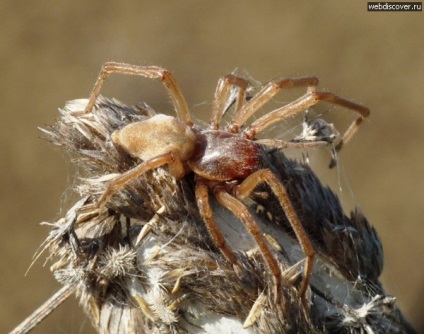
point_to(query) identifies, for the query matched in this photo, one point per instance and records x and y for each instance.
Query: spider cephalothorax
(225, 160)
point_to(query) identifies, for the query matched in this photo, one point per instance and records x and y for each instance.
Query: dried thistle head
(146, 263)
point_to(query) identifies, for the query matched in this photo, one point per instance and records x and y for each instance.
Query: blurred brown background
(51, 52)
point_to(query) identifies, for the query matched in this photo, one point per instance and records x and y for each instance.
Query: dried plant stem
(44, 310)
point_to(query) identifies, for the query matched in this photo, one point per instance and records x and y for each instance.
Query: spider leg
(202, 198)
(122, 180)
(266, 176)
(151, 72)
(304, 102)
(221, 96)
(290, 144)
(265, 95)
(242, 213)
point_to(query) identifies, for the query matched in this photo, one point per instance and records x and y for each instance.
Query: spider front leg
(241, 212)
(281, 144)
(306, 101)
(221, 97)
(202, 198)
(266, 176)
(151, 72)
(265, 95)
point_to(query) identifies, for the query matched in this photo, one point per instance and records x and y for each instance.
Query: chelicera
(227, 161)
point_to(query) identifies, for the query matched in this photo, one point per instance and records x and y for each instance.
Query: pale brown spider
(227, 161)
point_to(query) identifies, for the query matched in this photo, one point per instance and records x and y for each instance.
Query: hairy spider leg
(221, 96)
(288, 144)
(151, 72)
(265, 95)
(266, 176)
(202, 198)
(304, 102)
(242, 213)
(123, 179)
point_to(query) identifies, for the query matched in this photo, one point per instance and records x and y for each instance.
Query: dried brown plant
(145, 263)
(136, 250)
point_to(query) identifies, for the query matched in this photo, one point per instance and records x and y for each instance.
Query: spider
(227, 161)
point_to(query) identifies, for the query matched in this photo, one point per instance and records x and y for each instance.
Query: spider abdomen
(223, 156)
(155, 136)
